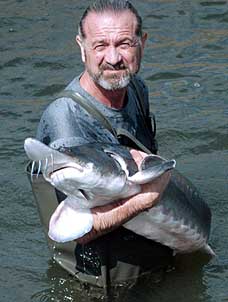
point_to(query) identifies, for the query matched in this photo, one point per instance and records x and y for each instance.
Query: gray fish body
(97, 174)
(182, 219)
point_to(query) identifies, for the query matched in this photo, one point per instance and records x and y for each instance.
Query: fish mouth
(51, 173)
(49, 168)
(76, 167)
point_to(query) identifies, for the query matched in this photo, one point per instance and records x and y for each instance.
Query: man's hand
(109, 217)
(151, 192)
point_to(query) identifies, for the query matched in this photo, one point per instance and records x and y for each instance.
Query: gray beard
(114, 84)
(117, 84)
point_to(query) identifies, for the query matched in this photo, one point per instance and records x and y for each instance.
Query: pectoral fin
(69, 222)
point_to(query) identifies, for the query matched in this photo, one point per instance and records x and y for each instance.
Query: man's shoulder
(61, 104)
(140, 90)
(74, 84)
(58, 106)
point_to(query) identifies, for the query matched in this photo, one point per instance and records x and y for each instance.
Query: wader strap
(124, 132)
(91, 109)
(139, 96)
(140, 103)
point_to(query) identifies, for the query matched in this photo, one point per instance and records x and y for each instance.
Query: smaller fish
(97, 174)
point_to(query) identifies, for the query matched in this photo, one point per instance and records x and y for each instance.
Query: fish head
(76, 168)
(52, 162)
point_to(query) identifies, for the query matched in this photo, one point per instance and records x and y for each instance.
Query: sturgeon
(97, 174)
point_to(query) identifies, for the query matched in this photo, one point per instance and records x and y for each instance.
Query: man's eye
(99, 47)
(125, 45)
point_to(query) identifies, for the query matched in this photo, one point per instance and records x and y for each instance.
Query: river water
(186, 68)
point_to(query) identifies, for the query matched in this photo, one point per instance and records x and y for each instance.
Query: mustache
(117, 66)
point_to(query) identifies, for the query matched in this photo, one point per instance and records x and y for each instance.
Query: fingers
(138, 156)
(152, 192)
(159, 184)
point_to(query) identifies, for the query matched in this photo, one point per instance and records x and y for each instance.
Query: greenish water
(186, 69)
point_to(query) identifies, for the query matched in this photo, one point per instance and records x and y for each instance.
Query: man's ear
(80, 43)
(143, 40)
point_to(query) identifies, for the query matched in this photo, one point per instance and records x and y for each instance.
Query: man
(111, 43)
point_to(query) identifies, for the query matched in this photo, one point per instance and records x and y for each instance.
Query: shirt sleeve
(65, 123)
(60, 125)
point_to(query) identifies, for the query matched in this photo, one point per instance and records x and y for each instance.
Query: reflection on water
(63, 287)
(186, 69)
(188, 275)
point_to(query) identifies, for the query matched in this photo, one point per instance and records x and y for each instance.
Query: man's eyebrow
(130, 39)
(99, 41)
(118, 40)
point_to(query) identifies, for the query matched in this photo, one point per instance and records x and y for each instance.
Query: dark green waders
(118, 258)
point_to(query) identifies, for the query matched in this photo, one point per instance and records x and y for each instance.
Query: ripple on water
(186, 69)
(49, 90)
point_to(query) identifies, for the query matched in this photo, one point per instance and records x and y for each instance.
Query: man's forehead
(108, 18)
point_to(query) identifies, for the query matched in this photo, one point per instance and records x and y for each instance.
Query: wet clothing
(121, 255)
(66, 123)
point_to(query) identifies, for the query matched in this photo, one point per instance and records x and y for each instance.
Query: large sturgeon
(96, 174)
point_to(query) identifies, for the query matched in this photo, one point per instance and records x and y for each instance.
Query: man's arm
(109, 217)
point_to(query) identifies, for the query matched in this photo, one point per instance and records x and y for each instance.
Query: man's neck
(110, 98)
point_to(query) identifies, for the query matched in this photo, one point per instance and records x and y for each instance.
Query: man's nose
(113, 56)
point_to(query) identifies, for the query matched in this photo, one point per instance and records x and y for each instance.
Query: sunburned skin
(112, 53)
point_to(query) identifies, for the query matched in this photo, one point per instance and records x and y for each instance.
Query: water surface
(186, 69)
